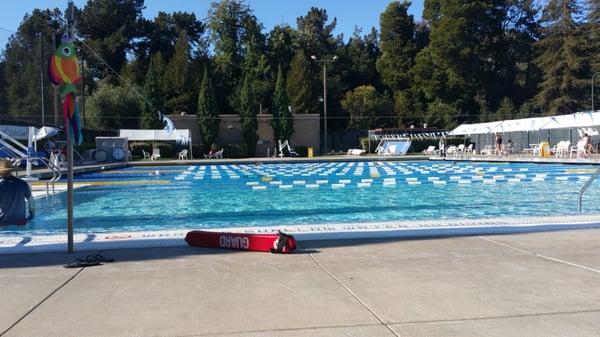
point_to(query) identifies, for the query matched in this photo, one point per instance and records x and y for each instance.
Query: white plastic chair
(218, 154)
(183, 155)
(146, 154)
(155, 154)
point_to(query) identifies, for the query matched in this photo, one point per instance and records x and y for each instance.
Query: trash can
(310, 152)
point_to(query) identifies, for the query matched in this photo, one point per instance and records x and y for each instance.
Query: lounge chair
(183, 154)
(155, 154)
(145, 154)
(218, 154)
(356, 152)
(429, 151)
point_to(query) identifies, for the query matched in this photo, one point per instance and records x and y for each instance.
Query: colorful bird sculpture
(63, 71)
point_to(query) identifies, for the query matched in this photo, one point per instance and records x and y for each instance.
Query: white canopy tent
(576, 120)
(180, 136)
(526, 132)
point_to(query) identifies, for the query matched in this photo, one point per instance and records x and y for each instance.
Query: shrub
(137, 147)
(235, 151)
(166, 150)
(364, 143)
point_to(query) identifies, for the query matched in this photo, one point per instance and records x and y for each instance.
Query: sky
(349, 13)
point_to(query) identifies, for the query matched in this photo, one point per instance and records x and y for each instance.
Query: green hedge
(166, 150)
(234, 150)
(137, 147)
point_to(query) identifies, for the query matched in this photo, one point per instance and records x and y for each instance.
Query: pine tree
(299, 85)
(563, 60)
(208, 111)
(153, 94)
(248, 118)
(397, 45)
(176, 78)
(283, 121)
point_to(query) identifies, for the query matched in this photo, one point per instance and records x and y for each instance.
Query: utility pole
(324, 62)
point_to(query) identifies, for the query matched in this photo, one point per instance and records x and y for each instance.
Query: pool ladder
(585, 187)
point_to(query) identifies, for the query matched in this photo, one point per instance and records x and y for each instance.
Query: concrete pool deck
(537, 284)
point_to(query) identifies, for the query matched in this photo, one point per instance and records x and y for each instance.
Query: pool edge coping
(372, 230)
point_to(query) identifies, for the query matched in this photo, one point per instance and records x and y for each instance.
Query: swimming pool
(221, 196)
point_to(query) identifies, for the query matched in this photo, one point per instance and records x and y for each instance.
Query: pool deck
(537, 284)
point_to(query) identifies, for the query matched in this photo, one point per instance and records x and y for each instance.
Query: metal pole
(42, 77)
(325, 101)
(69, 188)
(70, 18)
(56, 117)
(594, 75)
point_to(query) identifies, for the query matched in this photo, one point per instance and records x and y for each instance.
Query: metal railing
(585, 187)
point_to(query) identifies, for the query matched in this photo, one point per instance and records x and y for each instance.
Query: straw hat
(6, 167)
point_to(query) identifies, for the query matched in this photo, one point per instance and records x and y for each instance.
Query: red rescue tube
(275, 243)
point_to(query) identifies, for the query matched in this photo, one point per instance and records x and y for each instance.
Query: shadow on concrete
(44, 259)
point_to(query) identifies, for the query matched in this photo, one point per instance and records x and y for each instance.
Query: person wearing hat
(15, 197)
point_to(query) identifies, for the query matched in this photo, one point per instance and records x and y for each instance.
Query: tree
(365, 105)
(248, 120)
(283, 120)
(397, 45)
(25, 61)
(506, 110)
(208, 111)
(315, 35)
(281, 46)
(153, 94)
(109, 27)
(299, 86)
(457, 70)
(177, 88)
(111, 108)
(566, 72)
(227, 23)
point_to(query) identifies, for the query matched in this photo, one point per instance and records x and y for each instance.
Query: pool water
(220, 196)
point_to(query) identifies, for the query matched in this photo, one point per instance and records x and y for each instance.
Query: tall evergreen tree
(153, 93)
(208, 111)
(283, 121)
(457, 69)
(248, 115)
(299, 86)
(177, 89)
(281, 46)
(563, 59)
(315, 35)
(227, 20)
(397, 45)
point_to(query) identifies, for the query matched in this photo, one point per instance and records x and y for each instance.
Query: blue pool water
(216, 196)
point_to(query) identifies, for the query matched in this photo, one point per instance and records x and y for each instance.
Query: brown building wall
(306, 131)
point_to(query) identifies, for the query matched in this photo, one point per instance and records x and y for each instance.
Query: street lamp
(324, 62)
(597, 73)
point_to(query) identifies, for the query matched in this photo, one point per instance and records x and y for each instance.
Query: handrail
(585, 186)
(16, 142)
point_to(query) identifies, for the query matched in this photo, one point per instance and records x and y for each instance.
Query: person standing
(498, 143)
(15, 197)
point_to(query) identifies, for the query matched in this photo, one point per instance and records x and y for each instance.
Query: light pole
(324, 62)
(594, 75)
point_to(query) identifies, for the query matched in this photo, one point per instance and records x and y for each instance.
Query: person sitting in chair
(15, 197)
